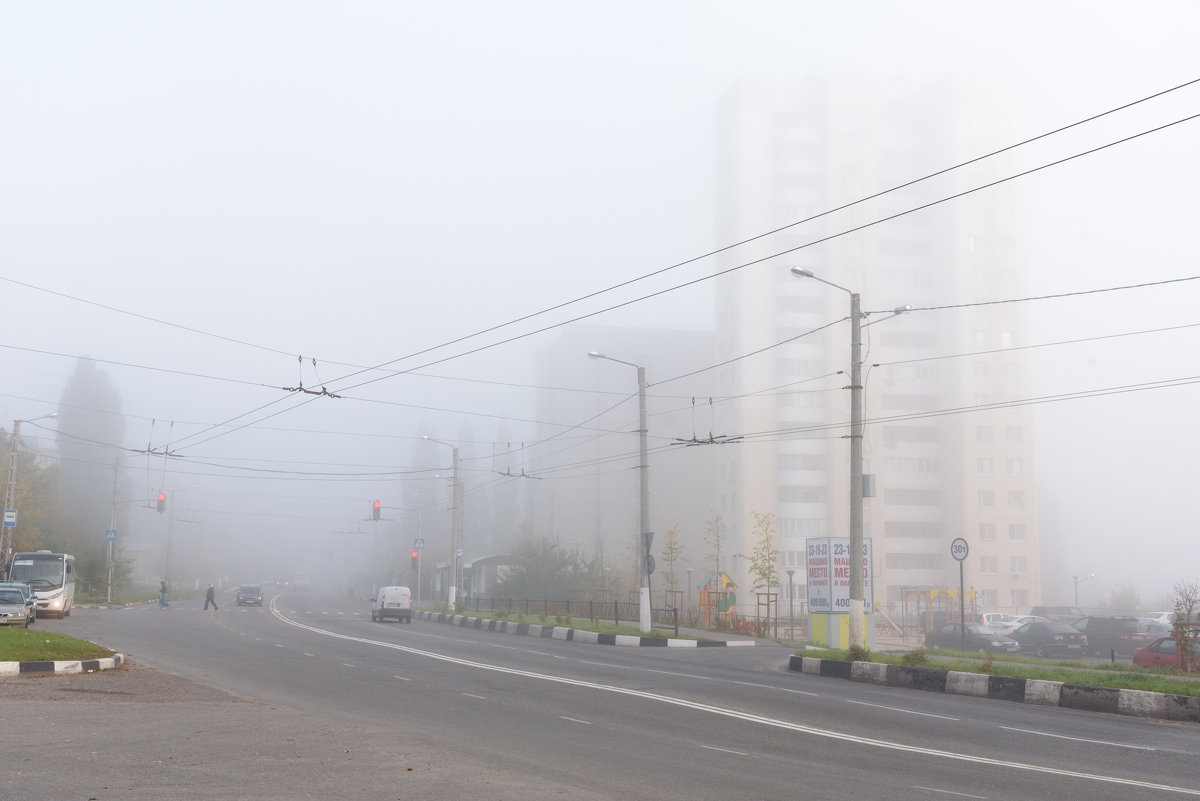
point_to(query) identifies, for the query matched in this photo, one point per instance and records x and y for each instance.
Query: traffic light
(416, 557)
(375, 510)
(162, 502)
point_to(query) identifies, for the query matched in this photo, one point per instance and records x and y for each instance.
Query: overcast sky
(360, 182)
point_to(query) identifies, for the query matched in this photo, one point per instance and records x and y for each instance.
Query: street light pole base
(644, 610)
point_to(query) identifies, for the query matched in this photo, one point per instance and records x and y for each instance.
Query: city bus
(51, 576)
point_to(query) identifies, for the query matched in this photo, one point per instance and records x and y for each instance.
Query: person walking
(162, 596)
(210, 597)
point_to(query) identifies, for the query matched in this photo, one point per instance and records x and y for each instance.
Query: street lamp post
(644, 500)
(455, 530)
(856, 437)
(1079, 580)
(791, 571)
(10, 493)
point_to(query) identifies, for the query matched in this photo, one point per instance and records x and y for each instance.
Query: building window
(912, 528)
(801, 461)
(987, 499)
(1015, 467)
(1007, 339)
(912, 497)
(987, 565)
(1012, 434)
(912, 561)
(801, 494)
(1016, 532)
(983, 369)
(987, 532)
(1020, 599)
(1017, 565)
(801, 527)
(983, 466)
(1012, 371)
(983, 435)
(981, 339)
(1016, 499)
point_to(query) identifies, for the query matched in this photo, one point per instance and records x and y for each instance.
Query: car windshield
(11, 597)
(976, 629)
(1061, 628)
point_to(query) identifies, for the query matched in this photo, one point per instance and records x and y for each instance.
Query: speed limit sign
(958, 548)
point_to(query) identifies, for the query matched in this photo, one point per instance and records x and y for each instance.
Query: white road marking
(471, 695)
(306, 653)
(347, 664)
(543, 653)
(1080, 739)
(278, 645)
(947, 792)
(724, 750)
(402, 678)
(747, 717)
(576, 720)
(905, 711)
(505, 647)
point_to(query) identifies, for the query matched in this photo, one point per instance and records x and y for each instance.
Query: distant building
(949, 456)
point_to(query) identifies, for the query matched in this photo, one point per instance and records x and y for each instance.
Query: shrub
(859, 653)
(917, 657)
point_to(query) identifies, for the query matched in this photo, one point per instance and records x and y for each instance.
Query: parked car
(1050, 638)
(1157, 618)
(1122, 635)
(392, 602)
(1163, 652)
(994, 620)
(249, 594)
(1156, 630)
(977, 637)
(27, 591)
(1065, 614)
(14, 610)
(1009, 626)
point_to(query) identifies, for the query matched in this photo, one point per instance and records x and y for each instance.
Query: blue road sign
(110, 535)
(10, 517)
(419, 543)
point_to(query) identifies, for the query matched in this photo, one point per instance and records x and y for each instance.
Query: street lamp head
(902, 309)
(595, 354)
(800, 272)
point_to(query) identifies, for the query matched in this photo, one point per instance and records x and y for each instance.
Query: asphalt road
(307, 697)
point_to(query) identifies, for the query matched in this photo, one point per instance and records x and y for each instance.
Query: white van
(392, 602)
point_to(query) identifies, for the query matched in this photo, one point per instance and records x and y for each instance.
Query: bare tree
(672, 552)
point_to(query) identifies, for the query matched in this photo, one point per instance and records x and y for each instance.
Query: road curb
(570, 634)
(61, 667)
(1138, 703)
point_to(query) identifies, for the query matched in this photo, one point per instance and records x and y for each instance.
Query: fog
(420, 214)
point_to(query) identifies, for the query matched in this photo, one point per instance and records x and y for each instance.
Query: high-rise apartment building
(950, 451)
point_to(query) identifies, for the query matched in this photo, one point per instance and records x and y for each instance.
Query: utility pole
(112, 526)
(857, 638)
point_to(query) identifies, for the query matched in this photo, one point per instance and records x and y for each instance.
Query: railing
(666, 619)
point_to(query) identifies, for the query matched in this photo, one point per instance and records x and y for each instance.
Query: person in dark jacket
(162, 596)
(210, 597)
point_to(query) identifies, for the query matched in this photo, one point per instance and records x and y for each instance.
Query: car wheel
(1040, 650)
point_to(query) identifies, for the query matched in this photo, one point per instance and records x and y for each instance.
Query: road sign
(10, 517)
(647, 538)
(110, 535)
(419, 543)
(959, 549)
(458, 552)
(648, 564)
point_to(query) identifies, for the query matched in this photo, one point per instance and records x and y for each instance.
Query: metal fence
(666, 619)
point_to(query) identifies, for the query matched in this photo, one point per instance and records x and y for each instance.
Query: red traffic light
(415, 559)
(375, 510)
(162, 502)
(415, 554)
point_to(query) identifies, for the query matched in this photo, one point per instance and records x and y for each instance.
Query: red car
(1162, 653)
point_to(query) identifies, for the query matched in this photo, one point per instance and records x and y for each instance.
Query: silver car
(27, 591)
(14, 610)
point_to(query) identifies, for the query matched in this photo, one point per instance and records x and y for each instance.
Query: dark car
(1105, 635)
(1063, 614)
(249, 594)
(975, 638)
(1050, 639)
(1163, 652)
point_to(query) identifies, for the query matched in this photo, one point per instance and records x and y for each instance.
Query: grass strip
(32, 645)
